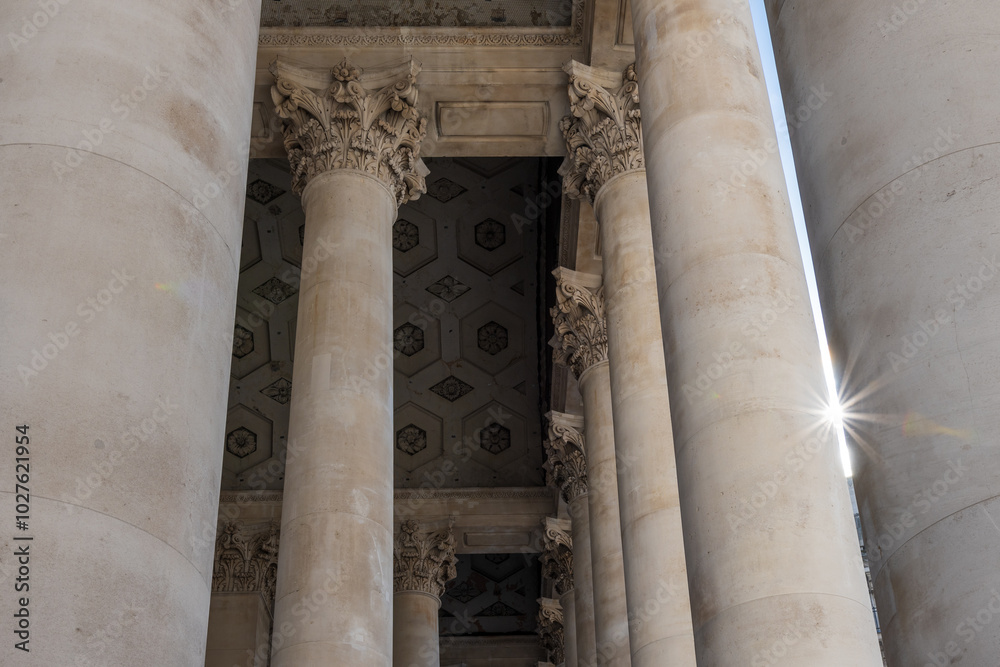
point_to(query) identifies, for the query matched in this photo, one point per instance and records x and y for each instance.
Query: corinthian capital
(566, 462)
(604, 135)
(246, 559)
(581, 339)
(353, 120)
(557, 554)
(550, 629)
(424, 560)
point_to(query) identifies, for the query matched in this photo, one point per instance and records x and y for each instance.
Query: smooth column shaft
(610, 612)
(651, 533)
(123, 163)
(773, 563)
(568, 602)
(336, 520)
(583, 583)
(898, 153)
(415, 641)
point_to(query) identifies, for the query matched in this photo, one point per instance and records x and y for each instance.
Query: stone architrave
(423, 564)
(557, 566)
(745, 400)
(550, 629)
(582, 343)
(605, 166)
(353, 139)
(566, 470)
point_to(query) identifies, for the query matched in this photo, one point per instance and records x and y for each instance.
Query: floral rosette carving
(347, 126)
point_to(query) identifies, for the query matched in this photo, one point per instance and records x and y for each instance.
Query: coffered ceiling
(467, 267)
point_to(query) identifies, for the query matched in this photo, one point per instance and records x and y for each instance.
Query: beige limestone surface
(895, 141)
(123, 145)
(772, 554)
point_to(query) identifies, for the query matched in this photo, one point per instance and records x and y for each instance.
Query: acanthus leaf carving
(604, 133)
(550, 629)
(557, 554)
(580, 323)
(246, 560)
(565, 458)
(423, 560)
(347, 126)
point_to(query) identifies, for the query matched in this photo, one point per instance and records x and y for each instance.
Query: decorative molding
(604, 135)
(247, 497)
(565, 460)
(423, 560)
(365, 121)
(510, 493)
(550, 629)
(432, 37)
(246, 559)
(581, 339)
(557, 554)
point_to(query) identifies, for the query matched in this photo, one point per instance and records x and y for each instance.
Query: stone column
(896, 142)
(424, 563)
(605, 166)
(774, 567)
(550, 629)
(566, 465)
(581, 332)
(124, 137)
(557, 565)
(353, 142)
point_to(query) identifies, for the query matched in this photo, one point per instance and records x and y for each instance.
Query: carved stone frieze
(365, 121)
(604, 135)
(566, 462)
(246, 559)
(550, 629)
(557, 554)
(424, 560)
(581, 339)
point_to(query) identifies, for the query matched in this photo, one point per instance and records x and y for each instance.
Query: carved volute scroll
(604, 134)
(581, 339)
(423, 560)
(246, 559)
(566, 462)
(557, 554)
(360, 120)
(550, 629)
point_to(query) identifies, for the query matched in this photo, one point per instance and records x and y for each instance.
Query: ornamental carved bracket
(557, 554)
(550, 629)
(581, 339)
(565, 460)
(246, 559)
(424, 560)
(604, 134)
(366, 121)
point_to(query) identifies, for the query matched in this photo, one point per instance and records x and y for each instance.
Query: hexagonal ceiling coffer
(490, 234)
(495, 438)
(492, 338)
(241, 442)
(405, 235)
(408, 339)
(411, 439)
